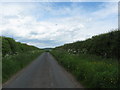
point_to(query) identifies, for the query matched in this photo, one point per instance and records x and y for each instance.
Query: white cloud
(40, 45)
(109, 9)
(10, 10)
(20, 21)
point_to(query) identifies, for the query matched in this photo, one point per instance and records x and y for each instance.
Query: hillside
(10, 46)
(106, 45)
(16, 56)
(94, 62)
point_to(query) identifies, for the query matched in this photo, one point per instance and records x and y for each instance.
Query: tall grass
(92, 71)
(13, 63)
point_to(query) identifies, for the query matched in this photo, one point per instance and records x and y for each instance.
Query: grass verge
(13, 63)
(92, 71)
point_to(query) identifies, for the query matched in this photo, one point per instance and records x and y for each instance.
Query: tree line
(10, 46)
(106, 45)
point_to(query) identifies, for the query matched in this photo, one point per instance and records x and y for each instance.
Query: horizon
(64, 43)
(52, 24)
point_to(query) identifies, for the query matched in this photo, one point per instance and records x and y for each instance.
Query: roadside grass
(90, 70)
(13, 63)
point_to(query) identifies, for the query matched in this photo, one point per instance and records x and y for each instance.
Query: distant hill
(48, 49)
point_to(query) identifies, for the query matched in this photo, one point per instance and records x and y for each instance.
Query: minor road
(44, 72)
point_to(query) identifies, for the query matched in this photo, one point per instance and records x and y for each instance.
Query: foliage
(95, 61)
(13, 63)
(10, 47)
(92, 71)
(106, 45)
(13, 58)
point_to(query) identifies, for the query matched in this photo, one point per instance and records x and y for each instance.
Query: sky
(51, 24)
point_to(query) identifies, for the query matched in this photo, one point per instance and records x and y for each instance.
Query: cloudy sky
(50, 24)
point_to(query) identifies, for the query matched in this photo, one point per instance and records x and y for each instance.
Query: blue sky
(50, 24)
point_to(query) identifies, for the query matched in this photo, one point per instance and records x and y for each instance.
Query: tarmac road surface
(44, 72)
